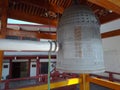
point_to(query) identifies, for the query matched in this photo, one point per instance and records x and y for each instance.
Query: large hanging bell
(80, 41)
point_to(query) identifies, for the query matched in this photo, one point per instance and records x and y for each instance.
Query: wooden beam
(116, 2)
(47, 36)
(106, 4)
(108, 18)
(67, 82)
(30, 34)
(11, 57)
(111, 33)
(43, 4)
(105, 83)
(21, 33)
(14, 14)
(43, 35)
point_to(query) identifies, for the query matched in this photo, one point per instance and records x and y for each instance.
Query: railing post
(29, 63)
(110, 76)
(85, 85)
(7, 85)
(37, 69)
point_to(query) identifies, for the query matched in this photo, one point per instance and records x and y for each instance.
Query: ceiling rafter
(26, 11)
(56, 8)
(14, 14)
(38, 3)
(107, 4)
(69, 3)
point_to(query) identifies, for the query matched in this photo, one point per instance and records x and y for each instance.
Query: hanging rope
(49, 53)
(49, 61)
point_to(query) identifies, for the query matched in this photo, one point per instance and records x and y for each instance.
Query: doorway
(19, 69)
(44, 68)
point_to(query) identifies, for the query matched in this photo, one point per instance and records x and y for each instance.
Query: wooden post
(3, 29)
(85, 84)
(111, 76)
(1, 58)
(4, 17)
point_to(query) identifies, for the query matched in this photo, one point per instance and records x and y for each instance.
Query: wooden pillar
(1, 63)
(85, 85)
(3, 29)
(1, 60)
(4, 17)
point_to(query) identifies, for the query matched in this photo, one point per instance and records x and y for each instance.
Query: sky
(13, 21)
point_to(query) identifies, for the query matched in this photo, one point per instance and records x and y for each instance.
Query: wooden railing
(110, 76)
(7, 84)
(42, 79)
(35, 80)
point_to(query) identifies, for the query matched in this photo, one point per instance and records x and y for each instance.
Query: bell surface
(80, 44)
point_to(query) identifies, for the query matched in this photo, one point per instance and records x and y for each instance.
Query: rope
(49, 61)
(49, 53)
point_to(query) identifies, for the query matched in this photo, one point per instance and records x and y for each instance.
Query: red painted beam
(28, 57)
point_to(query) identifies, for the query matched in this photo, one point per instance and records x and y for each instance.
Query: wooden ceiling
(49, 11)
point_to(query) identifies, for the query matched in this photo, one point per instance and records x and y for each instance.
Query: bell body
(80, 44)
